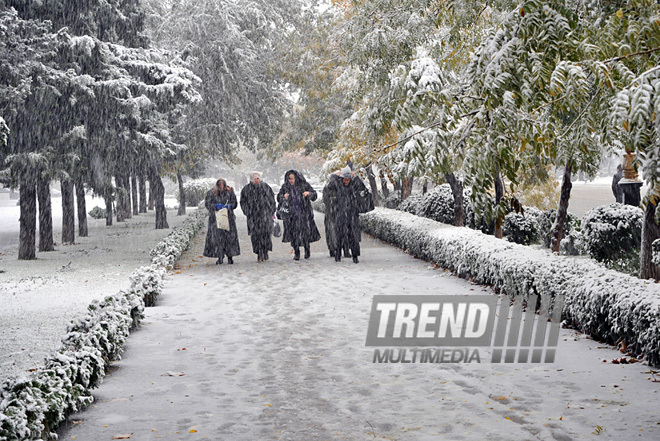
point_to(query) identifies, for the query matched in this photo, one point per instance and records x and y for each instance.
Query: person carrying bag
(221, 235)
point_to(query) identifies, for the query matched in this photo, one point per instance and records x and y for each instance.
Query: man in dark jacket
(616, 189)
(258, 204)
(345, 210)
(299, 226)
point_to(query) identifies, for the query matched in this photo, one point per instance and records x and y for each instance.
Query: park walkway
(276, 351)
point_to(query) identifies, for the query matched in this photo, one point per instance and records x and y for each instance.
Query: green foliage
(521, 229)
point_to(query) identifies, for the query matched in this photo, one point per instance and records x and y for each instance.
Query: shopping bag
(222, 219)
(365, 201)
(277, 230)
(283, 210)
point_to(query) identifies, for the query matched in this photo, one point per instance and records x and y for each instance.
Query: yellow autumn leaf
(193, 431)
(626, 126)
(619, 14)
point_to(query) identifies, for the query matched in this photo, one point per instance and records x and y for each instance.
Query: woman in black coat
(258, 204)
(299, 226)
(345, 210)
(220, 243)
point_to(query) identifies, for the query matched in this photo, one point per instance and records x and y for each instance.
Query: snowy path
(275, 351)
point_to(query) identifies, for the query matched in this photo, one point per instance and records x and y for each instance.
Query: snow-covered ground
(39, 297)
(276, 350)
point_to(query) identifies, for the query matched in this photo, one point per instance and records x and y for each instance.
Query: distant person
(220, 242)
(258, 204)
(299, 226)
(616, 188)
(346, 209)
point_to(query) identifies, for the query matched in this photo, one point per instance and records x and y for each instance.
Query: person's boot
(230, 260)
(308, 252)
(219, 261)
(265, 255)
(355, 259)
(347, 252)
(332, 253)
(338, 255)
(260, 257)
(296, 254)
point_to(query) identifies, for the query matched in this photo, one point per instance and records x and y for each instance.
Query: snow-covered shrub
(613, 234)
(195, 190)
(31, 408)
(601, 302)
(147, 282)
(655, 250)
(572, 242)
(412, 204)
(522, 229)
(97, 213)
(393, 200)
(438, 204)
(168, 251)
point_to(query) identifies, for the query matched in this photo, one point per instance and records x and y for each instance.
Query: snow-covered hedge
(195, 190)
(32, 407)
(603, 303)
(613, 235)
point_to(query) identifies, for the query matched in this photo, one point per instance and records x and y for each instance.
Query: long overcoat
(258, 205)
(330, 202)
(299, 226)
(345, 214)
(219, 242)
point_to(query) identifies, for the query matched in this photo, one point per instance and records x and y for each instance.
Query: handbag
(283, 210)
(222, 219)
(277, 230)
(365, 201)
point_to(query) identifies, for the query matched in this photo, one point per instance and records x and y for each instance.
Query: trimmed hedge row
(608, 305)
(32, 407)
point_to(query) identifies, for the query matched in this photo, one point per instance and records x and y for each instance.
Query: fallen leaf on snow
(122, 436)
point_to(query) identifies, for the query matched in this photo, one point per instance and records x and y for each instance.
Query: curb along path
(276, 351)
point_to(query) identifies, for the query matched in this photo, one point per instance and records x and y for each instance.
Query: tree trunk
(383, 186)
(457, 191)
(372, 183)
(108, 207)
(28, 221)
(650, 232)
(46, 242)
(182, 195)
(557, 230)
(68, 214)
(143, 192)
(128, 214)
(119, 202)
(151, 202)
(81, 205)
(499, 194)
(406, 188)
(134, 195)
(158, 191)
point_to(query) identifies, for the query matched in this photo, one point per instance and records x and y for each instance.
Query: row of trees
(493, 95)
(110, 94)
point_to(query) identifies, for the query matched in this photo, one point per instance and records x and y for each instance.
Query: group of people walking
(344, 197)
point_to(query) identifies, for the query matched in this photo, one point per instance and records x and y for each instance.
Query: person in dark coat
(347, 233)
(220, 243)
(299, 226)
(258, 204)
(616, 189)
(329, 201)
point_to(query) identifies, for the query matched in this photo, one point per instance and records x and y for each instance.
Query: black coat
(330, 202)
(343, 209)
(299, 226)
(258, 204)
(221, 242)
